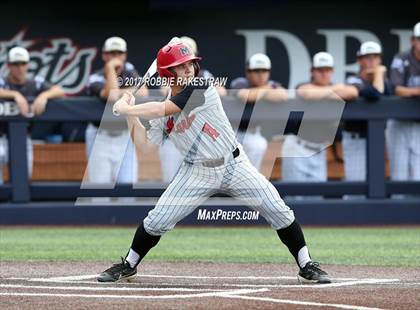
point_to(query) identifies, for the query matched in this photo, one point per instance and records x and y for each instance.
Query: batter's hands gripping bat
(149, 73)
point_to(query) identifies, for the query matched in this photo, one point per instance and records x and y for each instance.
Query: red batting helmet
(174, 54)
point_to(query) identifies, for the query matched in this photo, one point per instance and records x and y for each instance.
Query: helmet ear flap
(196, 68)
(172, 72)
(168, 73)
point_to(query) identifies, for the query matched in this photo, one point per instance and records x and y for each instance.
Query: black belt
(235, 153)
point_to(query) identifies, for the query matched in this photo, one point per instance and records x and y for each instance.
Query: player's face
(370, 61)
(259, 77)
(18, 70)
(415, 43)
(322, 76)
(185, 70)
(107, 56)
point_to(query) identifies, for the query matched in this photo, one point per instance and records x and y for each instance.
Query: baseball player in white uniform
(403, 137)
(170, 158)
(371, 84)
(304, 158)
(110, 140)
(213, 162)
(252, 88)
(30, 94)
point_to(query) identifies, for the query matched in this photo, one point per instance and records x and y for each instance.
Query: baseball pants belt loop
(216, 162)
(356, 135)
(111, 133)
(310, 146)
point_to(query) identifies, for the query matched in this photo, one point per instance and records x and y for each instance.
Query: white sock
(303, 256)
(132, 258)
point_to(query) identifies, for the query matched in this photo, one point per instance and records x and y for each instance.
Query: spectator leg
(128, 167)
(397, 134)
(255, 146)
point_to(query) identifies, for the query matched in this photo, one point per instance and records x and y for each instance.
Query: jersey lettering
(169, 125)
(184, 124)
(210, 131)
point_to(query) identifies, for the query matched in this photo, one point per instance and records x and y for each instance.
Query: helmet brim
(180, 61)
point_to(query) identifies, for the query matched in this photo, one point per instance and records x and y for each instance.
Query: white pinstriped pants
(403, 146)
(171, 159)
(354, 152)
(194, 184)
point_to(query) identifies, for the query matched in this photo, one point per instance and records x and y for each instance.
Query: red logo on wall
(59, 60)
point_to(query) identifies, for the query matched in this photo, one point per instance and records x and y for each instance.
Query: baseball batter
(194, 120)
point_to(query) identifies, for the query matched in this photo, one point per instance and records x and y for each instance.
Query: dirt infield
(205, 286)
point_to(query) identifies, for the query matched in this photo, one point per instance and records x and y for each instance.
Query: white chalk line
(226, 294)
(175, 296)
(86, 277)
(317, 286)
(323, 286)
(404, 283)
(238, 294)
(73, 280)
(302, 303)
(97, 288)
(70, 278)
(302, 286)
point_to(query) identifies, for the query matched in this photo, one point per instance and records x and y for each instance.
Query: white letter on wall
(336, 46)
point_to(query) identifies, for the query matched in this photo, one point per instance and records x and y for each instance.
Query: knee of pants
(156, 228)
(285, 221)
(277, 213)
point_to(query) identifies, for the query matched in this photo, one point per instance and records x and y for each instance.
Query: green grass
(399, 246)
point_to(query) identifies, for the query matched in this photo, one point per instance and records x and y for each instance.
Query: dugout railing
(376, 187)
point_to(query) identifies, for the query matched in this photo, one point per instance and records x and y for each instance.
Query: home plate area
(219, 286)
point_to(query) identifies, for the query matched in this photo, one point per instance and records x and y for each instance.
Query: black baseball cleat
(311, 273)
(118, 272)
